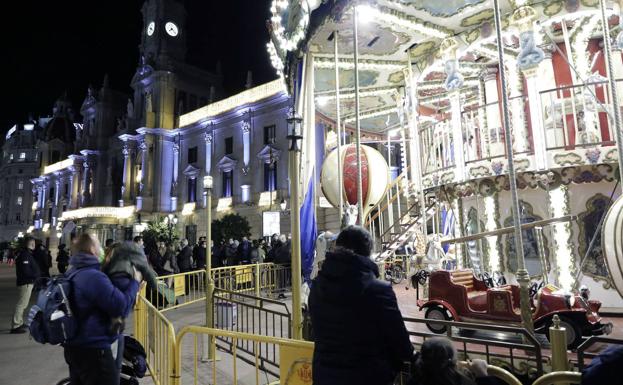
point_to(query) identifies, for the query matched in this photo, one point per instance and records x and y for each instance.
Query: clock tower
(164, 34)
(165, 87)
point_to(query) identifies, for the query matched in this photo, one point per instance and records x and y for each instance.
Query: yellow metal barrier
(503, 375)
(262, 279)
(559, 377)
(244, 356)
(157, 336)
(177, 290)
(294, 358)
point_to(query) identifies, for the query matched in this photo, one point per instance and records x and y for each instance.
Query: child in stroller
(133, 365)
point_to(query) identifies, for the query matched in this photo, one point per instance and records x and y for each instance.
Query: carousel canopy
(393, 33)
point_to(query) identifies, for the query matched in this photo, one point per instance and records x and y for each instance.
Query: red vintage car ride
(459, 295)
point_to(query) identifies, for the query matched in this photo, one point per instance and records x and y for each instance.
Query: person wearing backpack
(27, 272)
(95, 302)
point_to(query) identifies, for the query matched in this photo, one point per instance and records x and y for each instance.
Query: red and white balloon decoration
(374, 177)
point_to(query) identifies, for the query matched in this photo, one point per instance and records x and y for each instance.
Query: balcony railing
(577, 116)
(436, 146)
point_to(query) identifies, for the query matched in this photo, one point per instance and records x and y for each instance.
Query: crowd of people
(180, 256)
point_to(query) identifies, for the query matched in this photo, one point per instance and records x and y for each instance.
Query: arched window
(530, 246)
(589, 222)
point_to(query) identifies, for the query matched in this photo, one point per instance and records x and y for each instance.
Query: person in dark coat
(216, 255)
(184, 260)
(27, 272)
(359, 334)
(244, 251)
(41, 256)
(283, 251)
(436, 364)
(96, 302)
(231, 253)
(62, 259)
(604, 368)
(200, 256)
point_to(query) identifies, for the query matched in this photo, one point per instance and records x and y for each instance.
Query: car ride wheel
(397, 275)
(437, 313)
(572, 331)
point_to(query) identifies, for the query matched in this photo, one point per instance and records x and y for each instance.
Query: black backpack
(51, 319)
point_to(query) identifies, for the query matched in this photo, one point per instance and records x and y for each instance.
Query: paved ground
(25, 362)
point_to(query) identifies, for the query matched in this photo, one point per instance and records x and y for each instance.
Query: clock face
(151, 28)
(171, 28)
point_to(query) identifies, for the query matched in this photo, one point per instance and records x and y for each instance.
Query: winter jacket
(41, 256)
(231, 255)
(357, 327)
(184, 262)
(62, 258)
(282, 253)
(26, 268)
(96, 301)
(604, 368)
(200, 257)
(244, 251)
(126, 257)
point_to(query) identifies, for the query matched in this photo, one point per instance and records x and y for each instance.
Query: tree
(159, 230)
(230, 226)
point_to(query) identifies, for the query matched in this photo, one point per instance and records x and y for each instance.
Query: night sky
(53, 46)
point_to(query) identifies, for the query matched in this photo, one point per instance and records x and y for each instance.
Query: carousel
(477, 140)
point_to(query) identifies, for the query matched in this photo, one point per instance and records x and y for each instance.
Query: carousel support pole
(338, 119)
(390, 208)
(416, 147)
(357, 120)
(523, 278)
(612, 83)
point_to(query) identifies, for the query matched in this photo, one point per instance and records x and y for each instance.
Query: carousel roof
(389, 31)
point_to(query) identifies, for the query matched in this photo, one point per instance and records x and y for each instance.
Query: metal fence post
(258, 281)
(558, 340)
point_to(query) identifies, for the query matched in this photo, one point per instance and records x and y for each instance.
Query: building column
(457, 134)
(127, 175)
(143, 185)
(175, 175)
(528, 61)
(208, 149)
(453, 84)
(246, 143)
(536, 118)
(494, 145)
(86, 183)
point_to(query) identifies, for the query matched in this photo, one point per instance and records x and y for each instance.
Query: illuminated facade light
(490, 225)
(559, 206)
(99, 212)
(247, 97)
(224, 204)
(63, 164)
(188, 208)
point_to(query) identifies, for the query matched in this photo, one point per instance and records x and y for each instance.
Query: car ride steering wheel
(534, 288)
(486, 278)
(421, 276)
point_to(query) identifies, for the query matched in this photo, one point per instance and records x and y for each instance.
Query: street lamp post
(209, 282)
(171, 221)
(295, 137)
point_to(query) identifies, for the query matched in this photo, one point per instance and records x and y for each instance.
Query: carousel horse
(434, 253)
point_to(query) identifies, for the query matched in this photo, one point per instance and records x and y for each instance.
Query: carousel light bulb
(366, 13)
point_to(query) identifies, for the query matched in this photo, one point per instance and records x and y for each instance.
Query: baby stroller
(134, 363)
